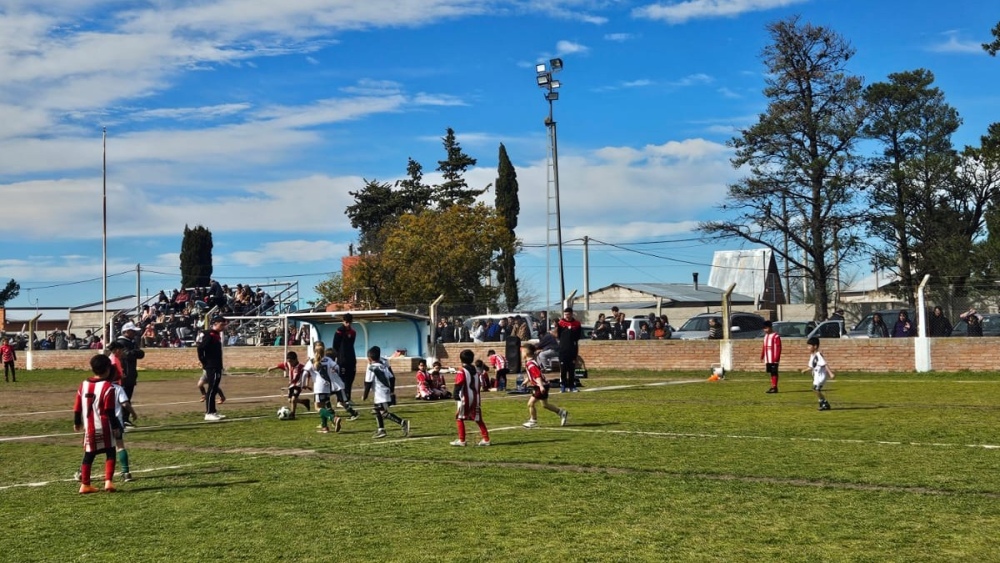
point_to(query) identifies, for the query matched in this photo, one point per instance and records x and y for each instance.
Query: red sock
(461, 430)
(85, 474)
(483, 430)
(774, 381)
(109, 469)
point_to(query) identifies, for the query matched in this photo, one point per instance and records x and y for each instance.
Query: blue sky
(255, 119)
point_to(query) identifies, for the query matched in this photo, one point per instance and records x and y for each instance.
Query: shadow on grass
(157, 488)
(861, 408)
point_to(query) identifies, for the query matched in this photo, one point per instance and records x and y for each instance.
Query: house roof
(680, 293)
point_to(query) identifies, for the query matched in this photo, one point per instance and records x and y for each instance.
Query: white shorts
(818, 382)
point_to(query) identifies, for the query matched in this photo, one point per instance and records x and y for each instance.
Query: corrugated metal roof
(672, 293)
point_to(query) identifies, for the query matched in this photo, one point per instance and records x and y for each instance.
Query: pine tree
(196, 257)
(454, 190)
(508, 206)
(9, 292)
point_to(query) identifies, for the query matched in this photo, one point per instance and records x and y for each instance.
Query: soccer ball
(284, 413)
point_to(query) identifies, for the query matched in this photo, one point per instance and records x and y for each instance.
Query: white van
(526, 317)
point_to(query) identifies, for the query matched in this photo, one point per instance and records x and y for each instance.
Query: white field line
(150, 470)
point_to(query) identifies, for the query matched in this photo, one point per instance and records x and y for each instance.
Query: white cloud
(424, 99)
(619, 37)
(564, 47)
(300, 251)
(955, 45)
(194, 113)
(727, 93)
(681, 12)
(637, 83)
(692, 80)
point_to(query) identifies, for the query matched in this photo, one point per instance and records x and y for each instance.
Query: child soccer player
(293, 370)
(770, 354)
(467, 394)
(9, 356)
(423, 383)
(379, 376)
(325, 416)
(340, 392)
(327, 377)
(94, 414)
(203, 388)
(483, 373)
(540, 388)
(438, 385)
(499, 363)
(821, 371)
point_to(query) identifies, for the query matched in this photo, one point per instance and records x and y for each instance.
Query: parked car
(793, 329)
(889, 316)
(991, 326)
(741, 325)
(835, 329)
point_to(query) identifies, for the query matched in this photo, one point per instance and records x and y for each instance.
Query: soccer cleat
(128, 424)
(380, 433)
(212, 417)
(459, 443)
(562, 389)
(530, 424)
(563, 416)
(483, 443)
(354, 417)
(772, 390)
(574, 390)
(406, 427)
(323, 430)
(126, 477)
(109, 487)
(77, 476)
(87, 489)
(336, 423)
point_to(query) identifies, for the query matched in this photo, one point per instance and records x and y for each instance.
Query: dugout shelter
(389, 329)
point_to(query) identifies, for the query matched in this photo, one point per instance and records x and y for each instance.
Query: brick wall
(872, 355)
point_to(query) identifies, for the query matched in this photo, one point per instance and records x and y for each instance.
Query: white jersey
(379, 374)
(325, 376)
(120, 397)
(820, 372)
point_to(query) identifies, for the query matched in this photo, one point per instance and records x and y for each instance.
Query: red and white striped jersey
(423, 388)
(535, 376)
(498, 362)
(770, 353)
(95, 406)
(293, 373)
(467, 385)
(116, 369)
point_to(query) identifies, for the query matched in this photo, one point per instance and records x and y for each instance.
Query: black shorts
(541, 393)
(294, 392)
(771, 369)
(322, 399)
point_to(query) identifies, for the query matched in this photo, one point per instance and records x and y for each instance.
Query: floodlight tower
(543, 77)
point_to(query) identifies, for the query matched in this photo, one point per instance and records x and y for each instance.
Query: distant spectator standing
(904, 328)
(521, 329)
(568, 331)
(974, 321)
(9, 356)
(939, 324)
(878, 328)
(130, 359)
(478, 332)
(343, 344)
(837, 315)
(714, 330)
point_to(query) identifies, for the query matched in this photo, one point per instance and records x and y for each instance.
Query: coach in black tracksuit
(210, 356)
(130, 359)
(343, 343)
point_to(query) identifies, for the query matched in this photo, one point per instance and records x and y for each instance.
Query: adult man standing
(210, 356)
(130, 358)
(343, 343)
(568, 331)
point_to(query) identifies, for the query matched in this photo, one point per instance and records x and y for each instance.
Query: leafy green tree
(993, 46)
(800, 157)
(912, 181)
(436, 252)
(196, 257)
(507, 206)
(976, 200)
(454, 190)
(9, 292)
(330, 290)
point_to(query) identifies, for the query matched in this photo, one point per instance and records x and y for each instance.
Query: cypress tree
(508, 206)
(196, 257)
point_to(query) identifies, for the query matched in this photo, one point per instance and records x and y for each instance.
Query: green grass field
(904, 468)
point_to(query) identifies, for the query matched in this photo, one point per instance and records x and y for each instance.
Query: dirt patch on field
(149, 398)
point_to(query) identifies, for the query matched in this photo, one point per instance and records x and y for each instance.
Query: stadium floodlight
(543, 77)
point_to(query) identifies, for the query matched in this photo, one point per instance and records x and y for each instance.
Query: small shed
(389, 329)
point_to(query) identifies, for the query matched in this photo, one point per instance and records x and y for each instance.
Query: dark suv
(742, 325)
